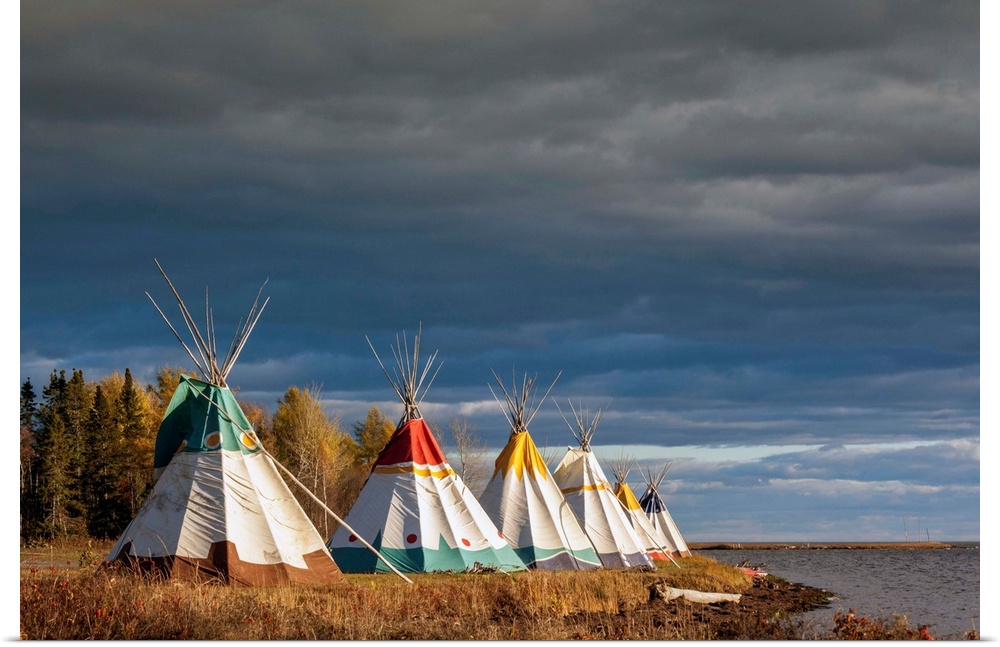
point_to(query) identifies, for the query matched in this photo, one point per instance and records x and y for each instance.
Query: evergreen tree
(106, 472)
(44, 509)
(131, 412)
(78, 469)
(371, 436)
(77, 406)
(29, 421)
(58, 460)
(54, 479)
(133, 424)
(29, 406)
(55, 402)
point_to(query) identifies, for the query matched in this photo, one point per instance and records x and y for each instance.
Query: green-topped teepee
(219, 509)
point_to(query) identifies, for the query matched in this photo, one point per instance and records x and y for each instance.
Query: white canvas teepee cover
(658, 513)
(656, 544)
(219, 509)
(524, 501)
(414, 509)
(582, 481)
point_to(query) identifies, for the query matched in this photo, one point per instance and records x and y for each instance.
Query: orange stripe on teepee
(589, 488)
(414, 469)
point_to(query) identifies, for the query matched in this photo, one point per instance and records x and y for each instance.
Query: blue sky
(751, 231)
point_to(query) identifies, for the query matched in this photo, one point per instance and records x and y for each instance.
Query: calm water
(935, 587)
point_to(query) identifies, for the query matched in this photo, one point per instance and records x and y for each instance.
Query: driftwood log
(660, 591)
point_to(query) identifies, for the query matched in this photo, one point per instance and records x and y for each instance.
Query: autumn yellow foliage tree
(167, 379)
(371, 435)
(312, 446)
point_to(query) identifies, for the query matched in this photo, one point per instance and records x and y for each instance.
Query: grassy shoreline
(66, 596)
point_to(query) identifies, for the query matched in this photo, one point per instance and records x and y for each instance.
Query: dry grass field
(66, 596)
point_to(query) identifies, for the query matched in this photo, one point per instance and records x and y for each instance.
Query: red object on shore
(752, 571)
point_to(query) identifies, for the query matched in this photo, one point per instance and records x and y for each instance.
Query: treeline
(87, 451)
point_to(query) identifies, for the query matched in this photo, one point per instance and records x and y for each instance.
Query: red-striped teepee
(414, 509)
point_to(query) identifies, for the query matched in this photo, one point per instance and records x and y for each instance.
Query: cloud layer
(733, 225)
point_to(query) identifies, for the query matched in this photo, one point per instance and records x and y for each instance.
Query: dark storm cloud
(733, 223)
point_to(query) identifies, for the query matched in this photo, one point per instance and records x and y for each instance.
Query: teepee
(523, 499)
(657, 511)
(219, 509)
(658, 546)
(414, 508)
(588, 492)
